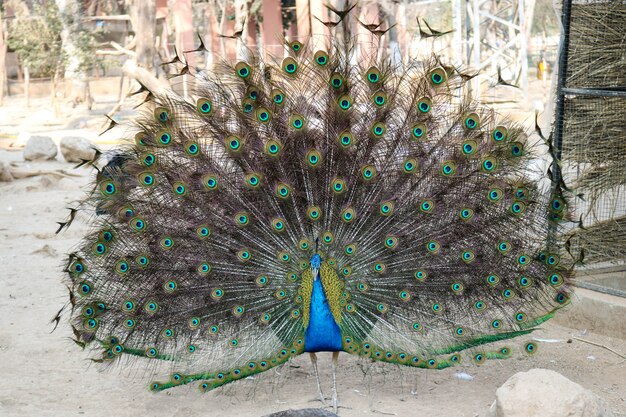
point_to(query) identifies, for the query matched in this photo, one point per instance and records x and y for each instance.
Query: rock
(305, 412)
(5, 172)
(40, 147)
(545, 393)
(75, 149)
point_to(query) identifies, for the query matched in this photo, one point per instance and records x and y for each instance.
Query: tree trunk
(27, 86)
(53, 95)
(319, 33)
(272, 28)
(393, 36)
(401, 18)
(222, 29)
(143, 18)
(241, 23)
(76, 78)
(343, 32)
(303, 19)
(3, 54)
(227, 27)
(184, 38)
(211, 39)
(367, 42)
(183, 26)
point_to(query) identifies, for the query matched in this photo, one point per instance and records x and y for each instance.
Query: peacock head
(316, 261)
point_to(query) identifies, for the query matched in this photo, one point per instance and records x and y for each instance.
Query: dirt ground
(45, 374)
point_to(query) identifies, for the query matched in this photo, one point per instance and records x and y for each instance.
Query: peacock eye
(411, 205)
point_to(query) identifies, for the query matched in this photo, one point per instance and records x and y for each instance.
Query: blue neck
(323, 334)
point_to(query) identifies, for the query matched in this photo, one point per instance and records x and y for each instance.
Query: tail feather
(419, 197)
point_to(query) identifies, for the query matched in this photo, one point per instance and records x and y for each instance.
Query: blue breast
(323, 334)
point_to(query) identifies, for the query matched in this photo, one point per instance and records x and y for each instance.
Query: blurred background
(74, 51)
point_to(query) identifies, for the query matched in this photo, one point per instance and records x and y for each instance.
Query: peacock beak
(316, 273)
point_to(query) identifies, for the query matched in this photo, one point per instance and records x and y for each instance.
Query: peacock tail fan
(421, 203)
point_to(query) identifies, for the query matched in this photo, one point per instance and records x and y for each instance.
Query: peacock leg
(317, 376)
(335, 360)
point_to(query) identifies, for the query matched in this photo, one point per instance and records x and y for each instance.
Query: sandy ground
(45, 374)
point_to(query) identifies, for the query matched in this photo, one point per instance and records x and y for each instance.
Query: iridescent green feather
(421, 202)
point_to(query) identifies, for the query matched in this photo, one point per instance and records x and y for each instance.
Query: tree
(78, 46)
(3, 54)
(143, 19)
(36, 39)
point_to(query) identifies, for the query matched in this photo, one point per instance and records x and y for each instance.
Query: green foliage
(36, 37)
(82, 38)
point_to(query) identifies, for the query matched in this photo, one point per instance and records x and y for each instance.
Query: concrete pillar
(369, 13)
(457, 36)
(292, 31)
(272, 28)
(211, 37)
(401, 19)
(251, 35)
(241, 24)
(303, 18)
(229, 26)
(183, 26)
(161, 9)
(320, 35)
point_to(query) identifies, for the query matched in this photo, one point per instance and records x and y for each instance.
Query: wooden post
(272, 28)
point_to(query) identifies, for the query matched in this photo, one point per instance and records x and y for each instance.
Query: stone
(75, 149)
(40, 147)
(305, 412)
(545, 393)
(5, 172)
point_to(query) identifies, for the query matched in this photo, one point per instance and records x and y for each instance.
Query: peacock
(312, 203)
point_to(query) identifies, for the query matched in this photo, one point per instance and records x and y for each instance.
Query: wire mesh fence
(597, 42)
(591, 126)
